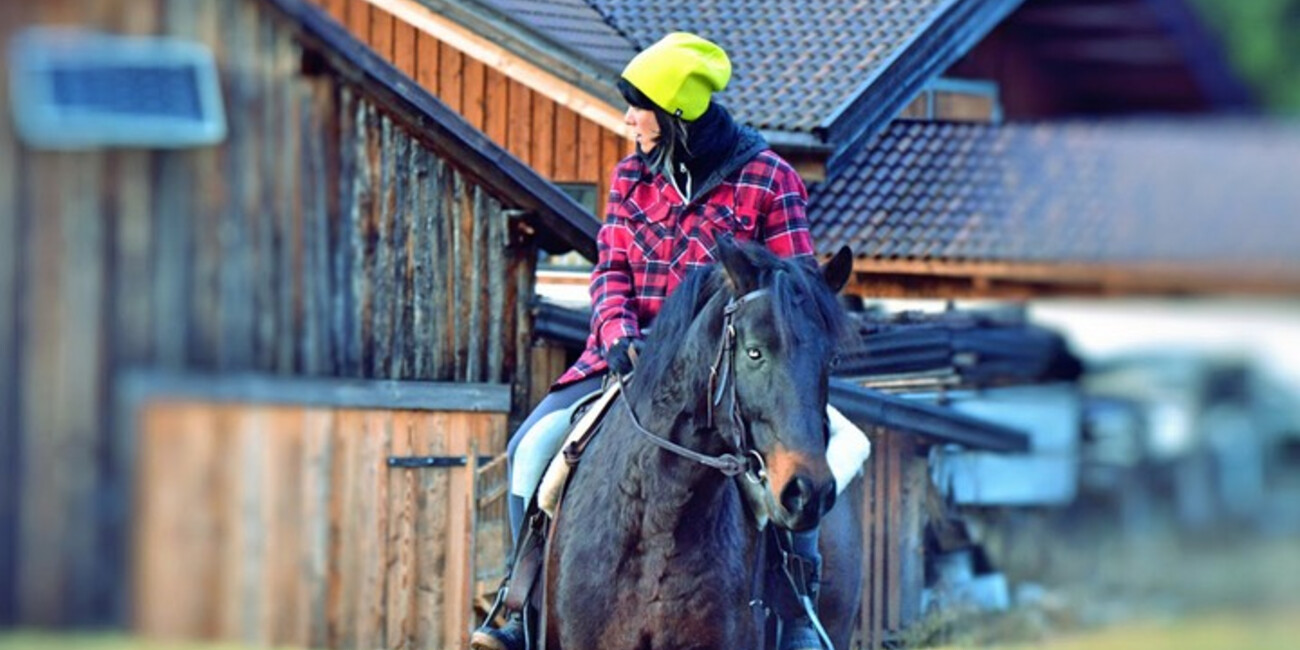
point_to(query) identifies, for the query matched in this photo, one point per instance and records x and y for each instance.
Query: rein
(719, 373)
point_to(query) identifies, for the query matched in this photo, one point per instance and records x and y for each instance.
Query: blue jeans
(556, 400)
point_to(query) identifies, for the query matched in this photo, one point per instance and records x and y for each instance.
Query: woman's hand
(622, 356)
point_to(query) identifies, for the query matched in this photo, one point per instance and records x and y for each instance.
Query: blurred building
(367, 196)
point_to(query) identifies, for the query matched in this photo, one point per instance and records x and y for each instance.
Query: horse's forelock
(800, 298)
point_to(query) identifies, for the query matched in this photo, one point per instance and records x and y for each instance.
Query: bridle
(721, 380)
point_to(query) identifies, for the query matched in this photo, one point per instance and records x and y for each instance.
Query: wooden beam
(138, 387)
(508, 63)
(1029, 279)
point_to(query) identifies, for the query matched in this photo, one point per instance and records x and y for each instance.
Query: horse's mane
(801, 299)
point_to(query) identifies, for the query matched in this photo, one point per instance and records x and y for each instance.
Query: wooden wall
(550, 138)
(284, 526)
(319, 239)
(893, 568)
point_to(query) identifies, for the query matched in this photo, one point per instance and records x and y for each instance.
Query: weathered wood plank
(381, 33)
(497, 306)
(357, 18)
(404, 52)
(345, 512)
(236, 236)
(470, 432)
(267, 212)
(519, 99)
(176, 528)
(212, 192)
(381, 252)
(361, 230)
(459, 229)
(293, 167)
(473, 94)
(496, 109)
(522, 270)
(315, 108)
(318, 439)
(431, 524)
(423, 319)
(428, 64)
(372, 528)
(910, 541)
(590, 140)
(451, 76)
(474, 264)
(543, 137)
(249, 561)
(404, 272)
(64, 366)
(893, 513)
(566, 145)
(401, 541)
(282, 518)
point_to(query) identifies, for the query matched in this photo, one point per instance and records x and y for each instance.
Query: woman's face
(644, 127)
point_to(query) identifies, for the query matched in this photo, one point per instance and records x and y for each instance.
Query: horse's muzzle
(806, 503)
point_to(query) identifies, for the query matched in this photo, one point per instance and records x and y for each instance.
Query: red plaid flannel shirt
(650, 240)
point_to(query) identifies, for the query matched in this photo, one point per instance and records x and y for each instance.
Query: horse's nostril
(797, 494)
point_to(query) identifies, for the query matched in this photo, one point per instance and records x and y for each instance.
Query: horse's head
(787, 324)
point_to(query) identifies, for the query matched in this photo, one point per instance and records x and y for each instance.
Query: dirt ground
(1087, 578)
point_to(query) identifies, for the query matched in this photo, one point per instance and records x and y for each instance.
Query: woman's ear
(741, 273)
(836, 271)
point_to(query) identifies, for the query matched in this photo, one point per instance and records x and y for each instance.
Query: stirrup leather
(804, 579)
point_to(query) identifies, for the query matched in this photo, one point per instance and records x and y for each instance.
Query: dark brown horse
(657, 548)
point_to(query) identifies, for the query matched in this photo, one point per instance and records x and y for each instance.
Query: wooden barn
(263, 320)
(904, 118)
(279, 349)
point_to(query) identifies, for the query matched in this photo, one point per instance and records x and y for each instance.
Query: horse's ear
(836, 271)
(741, 273)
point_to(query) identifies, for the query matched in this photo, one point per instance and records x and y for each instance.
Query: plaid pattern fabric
(652, 238)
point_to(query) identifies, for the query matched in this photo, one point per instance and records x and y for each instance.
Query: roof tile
(1145, 190)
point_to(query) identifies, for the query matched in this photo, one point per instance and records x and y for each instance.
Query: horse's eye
(754, 353)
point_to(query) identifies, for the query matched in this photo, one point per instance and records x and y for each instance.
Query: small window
(583, 193)
(571, 263)
(74, 89)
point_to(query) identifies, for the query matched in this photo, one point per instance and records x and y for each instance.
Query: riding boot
(800, 632)
(510, 636)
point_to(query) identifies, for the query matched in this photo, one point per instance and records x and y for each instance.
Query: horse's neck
(674, 493)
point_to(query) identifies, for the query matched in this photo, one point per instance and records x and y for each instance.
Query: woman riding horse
(696, 175)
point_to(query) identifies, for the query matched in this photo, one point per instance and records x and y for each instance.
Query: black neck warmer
(710, 141)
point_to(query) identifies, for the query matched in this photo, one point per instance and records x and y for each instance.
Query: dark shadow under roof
(1178, 192)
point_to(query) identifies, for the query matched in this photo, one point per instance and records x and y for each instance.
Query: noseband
(721, 378)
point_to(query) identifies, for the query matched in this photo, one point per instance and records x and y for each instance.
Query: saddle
(530, 552)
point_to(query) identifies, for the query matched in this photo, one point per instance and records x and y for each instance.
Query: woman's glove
(622, 356)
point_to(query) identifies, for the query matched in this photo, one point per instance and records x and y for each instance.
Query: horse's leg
(841, 546)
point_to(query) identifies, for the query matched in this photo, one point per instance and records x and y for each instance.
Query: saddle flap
(557, 473)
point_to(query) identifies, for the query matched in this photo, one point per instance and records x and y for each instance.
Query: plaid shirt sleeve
(613, 298)
(785, 224)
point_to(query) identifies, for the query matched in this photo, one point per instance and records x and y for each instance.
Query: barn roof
(1184, 193)
(800, 68)
(565, 225)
